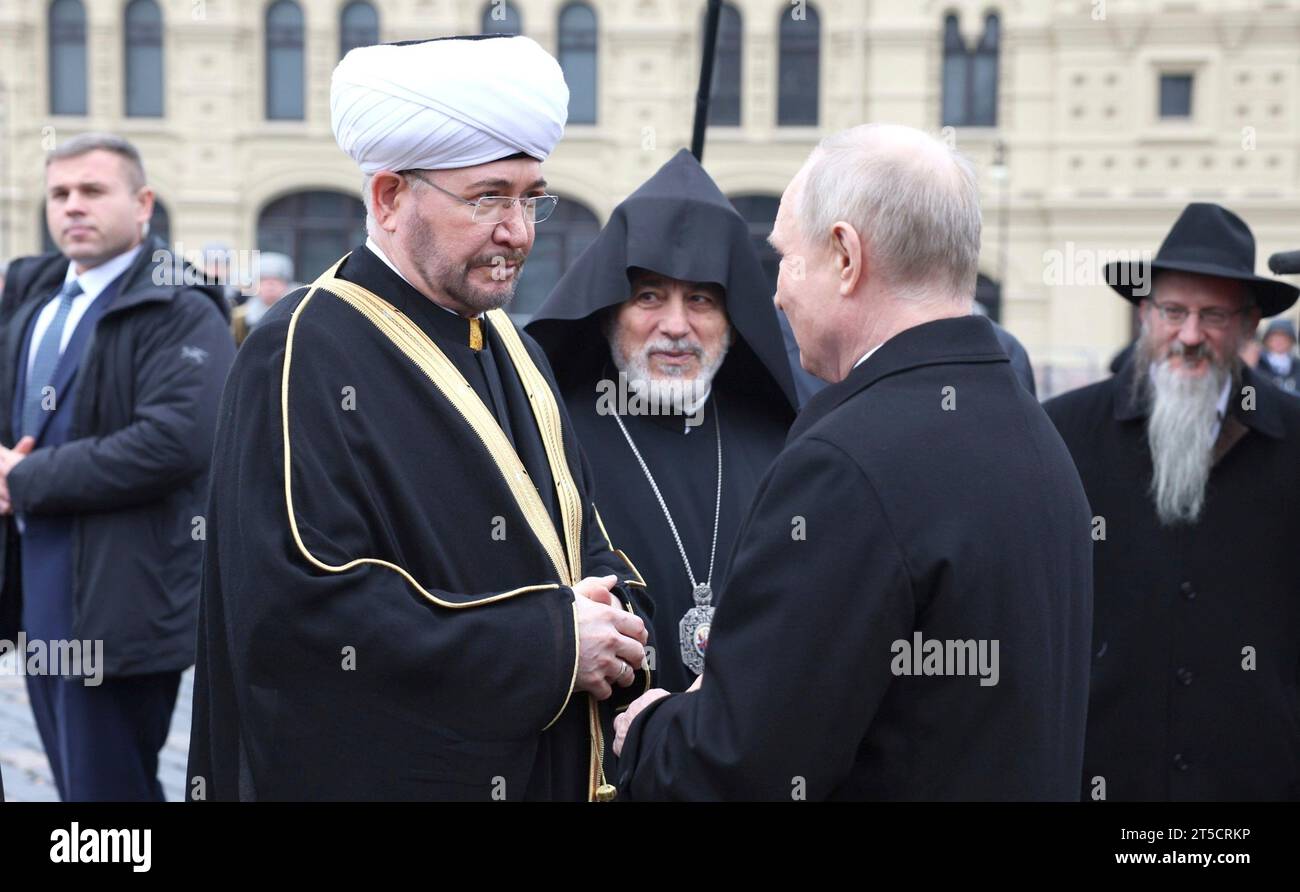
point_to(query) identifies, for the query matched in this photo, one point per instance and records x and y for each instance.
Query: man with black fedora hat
(1196, 628)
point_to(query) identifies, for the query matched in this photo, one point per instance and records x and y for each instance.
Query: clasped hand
(611, 641)
(9, 458)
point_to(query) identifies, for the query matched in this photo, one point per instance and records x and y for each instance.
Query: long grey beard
(1181, 431)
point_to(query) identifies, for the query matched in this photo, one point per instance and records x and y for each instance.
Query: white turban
(440, 104)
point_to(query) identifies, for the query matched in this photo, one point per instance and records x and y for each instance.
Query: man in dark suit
(1191, 462)
(109, 386)
(910, 600)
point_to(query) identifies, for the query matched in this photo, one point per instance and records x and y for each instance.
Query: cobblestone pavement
(22, 759)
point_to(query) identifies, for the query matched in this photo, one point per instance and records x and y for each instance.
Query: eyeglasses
(493, 209)
(1214, 318)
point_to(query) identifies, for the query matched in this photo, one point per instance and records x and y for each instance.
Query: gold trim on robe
(640, 580)
(566, 557)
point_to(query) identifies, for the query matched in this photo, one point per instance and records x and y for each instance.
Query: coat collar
(366, 269)
(966, 339)
(139, 284)
(1263, 417)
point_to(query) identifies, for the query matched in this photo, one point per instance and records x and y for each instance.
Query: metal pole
(706, 79)
(1003, 174)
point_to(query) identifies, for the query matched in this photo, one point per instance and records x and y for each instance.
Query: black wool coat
(927, 493)
(133, 476)
(1180, 710)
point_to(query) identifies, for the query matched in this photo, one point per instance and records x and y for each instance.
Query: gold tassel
(600, 790)
(476, 334)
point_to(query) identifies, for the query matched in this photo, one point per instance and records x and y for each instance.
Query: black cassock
(397, 621)
(685, 467)
(677, 224)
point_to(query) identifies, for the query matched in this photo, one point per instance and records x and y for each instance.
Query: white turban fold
(447, 103)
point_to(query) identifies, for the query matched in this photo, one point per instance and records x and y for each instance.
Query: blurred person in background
(1277, 361)
(274, 282)
(219, 270)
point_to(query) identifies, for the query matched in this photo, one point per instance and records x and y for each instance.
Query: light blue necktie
(46, 361)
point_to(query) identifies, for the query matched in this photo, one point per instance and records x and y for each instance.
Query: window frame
(67, 36)
(133, 42)
(581, 45)
(814, 49)
(271, 42)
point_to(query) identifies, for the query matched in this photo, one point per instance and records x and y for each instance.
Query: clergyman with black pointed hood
(667, 347)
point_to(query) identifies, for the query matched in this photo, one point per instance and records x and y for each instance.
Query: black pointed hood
(677, 224)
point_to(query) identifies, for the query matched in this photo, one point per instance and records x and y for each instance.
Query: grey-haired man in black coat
(909, 607)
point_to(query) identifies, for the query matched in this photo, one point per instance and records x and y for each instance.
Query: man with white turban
(414, 598)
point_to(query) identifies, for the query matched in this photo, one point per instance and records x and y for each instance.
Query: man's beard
(671, 394)
(1181, 428)
(437, 274)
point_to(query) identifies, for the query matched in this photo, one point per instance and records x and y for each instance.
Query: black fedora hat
(1207, 240)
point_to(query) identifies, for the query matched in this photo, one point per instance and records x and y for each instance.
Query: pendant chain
(717, 506)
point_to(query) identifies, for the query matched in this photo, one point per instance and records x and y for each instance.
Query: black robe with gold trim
(394, 620)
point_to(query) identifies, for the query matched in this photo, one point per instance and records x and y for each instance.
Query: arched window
(800, 68)
(358, 26)
(970, 77)
(159, 224)
(67, 52)
(315, 228)
(578, 45)
(144, 59)
(501, 17)
(955, 74)
(725, 90)
(560, 239)
(984, 74)
(284, 62)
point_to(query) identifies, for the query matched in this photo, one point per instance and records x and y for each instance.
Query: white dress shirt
(93, 282)
(867, 355)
